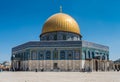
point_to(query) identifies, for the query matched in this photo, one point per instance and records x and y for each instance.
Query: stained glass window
(41, 55)
(48, 55)
(77, 54)
(70, 55)
(64, 37)
(55, 37)
(55, 54)
(62, 55)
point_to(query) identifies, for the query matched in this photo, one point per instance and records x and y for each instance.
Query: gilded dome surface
(60, 22)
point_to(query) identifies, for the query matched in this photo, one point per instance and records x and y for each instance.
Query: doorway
(96, 65)
(18, 66)
(55, 65)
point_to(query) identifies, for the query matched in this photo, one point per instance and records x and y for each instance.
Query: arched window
(55, 37)
(88, 54)
(107, 57)
(55, 55)
(59, 37)
(51, 37)
(34, 55)
(47, 37)
(41, 56)
(25, 55)
(64, 37)
(28, 55)
(77, 54)
(22, 56)
(85, 54)
(48, 55)
(93, 55)
(70, 55)
(62, 55)
(72, 38)
(103, 57)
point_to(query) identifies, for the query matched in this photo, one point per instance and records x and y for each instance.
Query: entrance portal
(55, 65)
(96, 65)
(18, 68)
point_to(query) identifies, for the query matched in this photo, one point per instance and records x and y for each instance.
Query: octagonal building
(60, 48)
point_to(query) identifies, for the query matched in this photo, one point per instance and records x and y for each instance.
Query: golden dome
(61, 22)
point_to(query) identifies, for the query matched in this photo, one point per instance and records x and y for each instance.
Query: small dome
(61, 22)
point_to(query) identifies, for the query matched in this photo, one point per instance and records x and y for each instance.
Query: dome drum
(59, 36)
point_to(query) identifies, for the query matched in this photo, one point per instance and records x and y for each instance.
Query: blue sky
(22, 20)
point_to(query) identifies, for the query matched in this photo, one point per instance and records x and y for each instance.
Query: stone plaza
(59, 77)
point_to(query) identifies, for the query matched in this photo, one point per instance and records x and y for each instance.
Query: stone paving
(59, 77)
